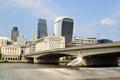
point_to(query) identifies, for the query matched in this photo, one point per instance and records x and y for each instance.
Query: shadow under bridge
(103, 60)
(52, 58)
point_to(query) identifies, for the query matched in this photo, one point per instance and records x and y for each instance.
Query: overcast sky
(91, 17)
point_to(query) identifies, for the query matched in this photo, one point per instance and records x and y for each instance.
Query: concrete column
(35, 60)
(23, 58)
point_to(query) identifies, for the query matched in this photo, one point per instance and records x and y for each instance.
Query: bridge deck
(83, 47)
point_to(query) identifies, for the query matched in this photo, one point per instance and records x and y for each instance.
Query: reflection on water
(29, 71)
(28, 66)
(31, 66)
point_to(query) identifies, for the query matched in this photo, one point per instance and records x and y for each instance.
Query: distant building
(64, 27)
(104, 41)
(4, 41)
(10, 52)
(49, 43)
(14, 34)
(22, 49)
(28, 43)
(29, 48)
(34, 36)
(83, 41)
(42, 28)
(21, 40)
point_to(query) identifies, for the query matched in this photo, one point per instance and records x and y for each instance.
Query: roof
(5, 38)
(62, 17)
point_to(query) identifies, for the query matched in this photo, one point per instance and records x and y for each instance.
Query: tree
(0, 55)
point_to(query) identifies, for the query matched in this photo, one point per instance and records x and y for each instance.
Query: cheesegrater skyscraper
(42, 28)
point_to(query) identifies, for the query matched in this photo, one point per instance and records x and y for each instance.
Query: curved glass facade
(64, 27)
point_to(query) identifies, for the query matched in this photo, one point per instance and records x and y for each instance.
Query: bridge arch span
(55, 55)
(51, 58)
(109, 59)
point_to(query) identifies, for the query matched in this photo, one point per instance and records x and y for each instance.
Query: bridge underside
(102, 60)
(51, 58)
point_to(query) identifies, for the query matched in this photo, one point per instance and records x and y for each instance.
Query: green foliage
(0, 55)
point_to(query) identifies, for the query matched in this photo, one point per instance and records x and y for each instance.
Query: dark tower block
(14, 34)
(42, 28)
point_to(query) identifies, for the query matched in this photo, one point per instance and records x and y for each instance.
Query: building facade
(3, 41)
(29, 48)
(49, 43)
(64, 27)
(34, 36)
(14, 34)
(42, 28)
(21, 40)
(10, 53)
(83, 41)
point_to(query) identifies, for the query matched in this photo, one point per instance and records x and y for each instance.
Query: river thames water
(28, 66)
(29, 71)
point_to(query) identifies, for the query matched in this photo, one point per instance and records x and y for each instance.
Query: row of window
(85, 41)
(55, 40)
(55, 43)
(10, 52)
(10, 49)
(10, 58)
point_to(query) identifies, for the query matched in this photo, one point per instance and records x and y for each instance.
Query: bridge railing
(98, 45)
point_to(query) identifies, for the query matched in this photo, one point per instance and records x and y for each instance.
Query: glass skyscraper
(42, 28)
(14, 34)
(64, 27)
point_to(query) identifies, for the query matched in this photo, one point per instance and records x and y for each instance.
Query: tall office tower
(42, 28)
(21, 40)
(34, 36)
(14, 34)
(64, 27)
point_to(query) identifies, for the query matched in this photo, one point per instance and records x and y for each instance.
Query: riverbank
(17, 61)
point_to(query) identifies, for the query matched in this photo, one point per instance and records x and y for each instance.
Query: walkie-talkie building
(42, 28)
(64, 27)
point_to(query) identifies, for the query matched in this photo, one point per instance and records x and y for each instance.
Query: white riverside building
(10, 52)
(49, 43)
(29, 47)
(21, 40)
(83, 41)
(4, 41)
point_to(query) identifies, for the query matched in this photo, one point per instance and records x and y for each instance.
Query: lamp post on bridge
(98, 35)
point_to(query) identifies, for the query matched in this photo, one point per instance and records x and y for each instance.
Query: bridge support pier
(101, 62)
(35, 60)
(26, 59)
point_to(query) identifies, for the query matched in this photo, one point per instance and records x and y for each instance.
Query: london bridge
(94, 55)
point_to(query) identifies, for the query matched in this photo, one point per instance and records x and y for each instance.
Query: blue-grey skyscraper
(42, 28)
(64, 27)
